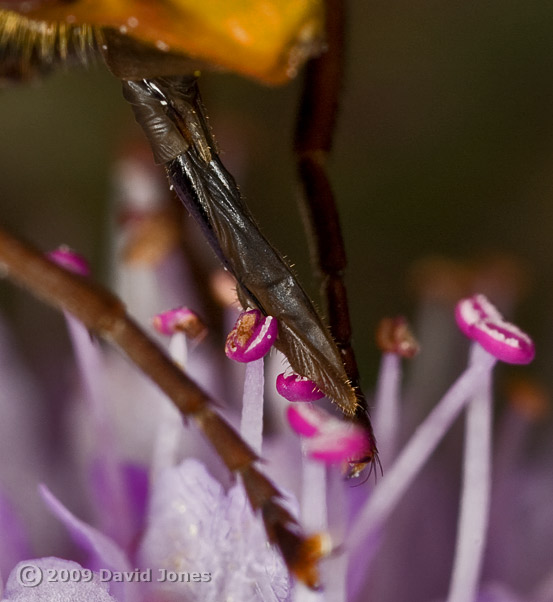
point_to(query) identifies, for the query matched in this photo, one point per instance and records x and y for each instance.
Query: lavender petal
(14, 544)
(194, 526)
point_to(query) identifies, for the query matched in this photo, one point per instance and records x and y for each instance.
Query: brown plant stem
(313, 142)
(105, 315)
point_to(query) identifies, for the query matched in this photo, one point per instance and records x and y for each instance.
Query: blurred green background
(444, 146)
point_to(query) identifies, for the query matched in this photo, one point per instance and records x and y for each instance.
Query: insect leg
(313, 141)
(170, 111)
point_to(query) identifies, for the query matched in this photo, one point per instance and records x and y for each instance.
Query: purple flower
(150, 514)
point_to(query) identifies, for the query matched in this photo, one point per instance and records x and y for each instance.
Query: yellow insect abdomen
(264, 39)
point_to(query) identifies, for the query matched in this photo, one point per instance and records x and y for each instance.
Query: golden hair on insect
(29, 48)
(267, 40)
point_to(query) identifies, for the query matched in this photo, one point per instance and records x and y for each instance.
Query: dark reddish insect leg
(313, 142)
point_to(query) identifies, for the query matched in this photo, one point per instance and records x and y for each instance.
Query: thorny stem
(104, 314)
(313, 141)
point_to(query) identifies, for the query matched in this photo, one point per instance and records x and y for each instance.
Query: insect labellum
(156, 49)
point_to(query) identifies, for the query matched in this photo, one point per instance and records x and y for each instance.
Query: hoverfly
(156, 49)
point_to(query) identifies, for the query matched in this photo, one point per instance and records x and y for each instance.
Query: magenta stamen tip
(329, 440)
(180, 319)
(304, 420)
(294, 387)
(345, 444)
(252, 336)
(393, 335)
(70, 260)
(479, 320)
